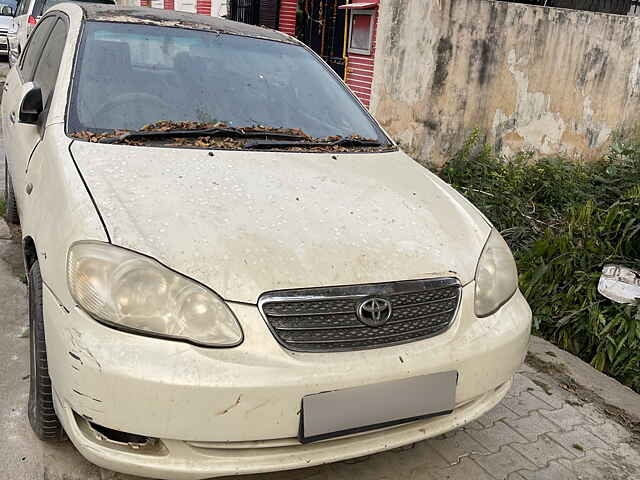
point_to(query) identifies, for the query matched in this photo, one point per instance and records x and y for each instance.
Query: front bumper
(185, 460)
(229, 411)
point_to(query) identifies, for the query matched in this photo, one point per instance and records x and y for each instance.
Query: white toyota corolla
(232, 268)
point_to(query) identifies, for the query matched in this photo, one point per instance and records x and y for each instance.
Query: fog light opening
(121, 438)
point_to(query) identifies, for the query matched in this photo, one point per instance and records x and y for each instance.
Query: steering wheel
(144, 100)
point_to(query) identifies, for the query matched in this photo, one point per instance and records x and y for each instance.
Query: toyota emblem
(374, 312)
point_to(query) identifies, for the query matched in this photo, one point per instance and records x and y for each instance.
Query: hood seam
(93, 201)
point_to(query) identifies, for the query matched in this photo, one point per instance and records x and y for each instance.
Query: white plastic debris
(620, 284)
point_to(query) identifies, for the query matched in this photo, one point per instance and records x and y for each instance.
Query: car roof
(172, 18)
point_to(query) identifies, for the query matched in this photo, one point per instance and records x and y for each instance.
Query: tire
(42, 416)
(10, 207)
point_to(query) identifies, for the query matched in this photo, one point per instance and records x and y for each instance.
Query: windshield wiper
(203, 132)
(343, 142)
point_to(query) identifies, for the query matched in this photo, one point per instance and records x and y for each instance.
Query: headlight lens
(496, 276)
(134, 292)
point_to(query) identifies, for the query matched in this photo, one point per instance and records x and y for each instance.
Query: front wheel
(42, 416)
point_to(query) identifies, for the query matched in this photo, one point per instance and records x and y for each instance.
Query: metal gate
(255, 12)
(269, 13)
(245, 11)
(321, 26)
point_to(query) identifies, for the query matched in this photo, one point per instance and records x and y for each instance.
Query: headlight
(496, 276)
(135, 293)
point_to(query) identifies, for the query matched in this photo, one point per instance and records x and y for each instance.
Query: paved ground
(4, 69)
(561, 420)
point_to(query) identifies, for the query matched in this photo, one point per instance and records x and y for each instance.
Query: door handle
(12, 117)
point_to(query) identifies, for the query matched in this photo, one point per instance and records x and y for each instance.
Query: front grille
(326, 319)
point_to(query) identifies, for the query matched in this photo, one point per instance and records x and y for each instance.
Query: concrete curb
(611, 392)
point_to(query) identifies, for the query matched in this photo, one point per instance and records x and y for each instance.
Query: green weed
(564, 221)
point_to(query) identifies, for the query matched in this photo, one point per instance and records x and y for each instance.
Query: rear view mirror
(31, 105)
(620, 284)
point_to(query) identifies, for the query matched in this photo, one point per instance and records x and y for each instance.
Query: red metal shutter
(203, 7)
(287, 20)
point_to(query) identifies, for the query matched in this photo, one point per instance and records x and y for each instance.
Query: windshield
(131, 76)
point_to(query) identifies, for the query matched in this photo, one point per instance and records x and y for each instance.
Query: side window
(34, 47)
(46, 72)
(39, 7)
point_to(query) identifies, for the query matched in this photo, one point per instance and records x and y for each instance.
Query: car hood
(244, 223)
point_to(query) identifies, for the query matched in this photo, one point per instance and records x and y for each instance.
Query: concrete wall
(533, 78)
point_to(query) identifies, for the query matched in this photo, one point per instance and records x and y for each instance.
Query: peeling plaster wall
(539, 79)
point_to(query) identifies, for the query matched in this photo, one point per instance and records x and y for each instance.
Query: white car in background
(7, 9)
(26, 16)
(232, 269)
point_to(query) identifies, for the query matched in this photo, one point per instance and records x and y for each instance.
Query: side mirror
(620, 284)
(31, 105)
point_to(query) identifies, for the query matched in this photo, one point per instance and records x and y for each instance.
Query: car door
(22, 138)
(40, 174)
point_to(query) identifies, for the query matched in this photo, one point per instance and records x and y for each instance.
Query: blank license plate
(353, 410)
